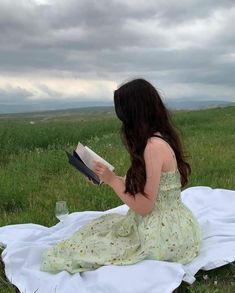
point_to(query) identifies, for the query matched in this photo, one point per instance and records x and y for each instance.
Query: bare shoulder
(154, 147)
(155, 144)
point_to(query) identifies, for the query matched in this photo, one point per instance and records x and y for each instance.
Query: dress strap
(159, 136)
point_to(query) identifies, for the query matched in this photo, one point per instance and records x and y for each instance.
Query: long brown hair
(140, 108)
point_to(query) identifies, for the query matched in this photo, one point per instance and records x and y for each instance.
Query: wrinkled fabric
(24, 245)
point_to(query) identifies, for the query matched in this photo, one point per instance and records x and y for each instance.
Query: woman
(157, 225)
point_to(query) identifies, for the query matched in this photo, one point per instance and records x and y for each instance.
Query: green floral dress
(169, 233)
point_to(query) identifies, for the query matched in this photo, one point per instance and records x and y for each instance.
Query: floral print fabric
(169, 233)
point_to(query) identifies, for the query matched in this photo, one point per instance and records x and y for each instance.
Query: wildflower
(215, 281)
(205, 277)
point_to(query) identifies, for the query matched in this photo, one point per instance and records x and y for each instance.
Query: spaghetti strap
(159, 136)
(165, 141)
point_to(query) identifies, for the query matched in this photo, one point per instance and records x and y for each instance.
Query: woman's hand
(103, 172)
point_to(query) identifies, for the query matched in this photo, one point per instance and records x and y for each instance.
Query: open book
(82, 159)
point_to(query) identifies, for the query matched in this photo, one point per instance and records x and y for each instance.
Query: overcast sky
(82, 50)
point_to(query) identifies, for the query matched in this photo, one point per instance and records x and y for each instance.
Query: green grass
(34, 172)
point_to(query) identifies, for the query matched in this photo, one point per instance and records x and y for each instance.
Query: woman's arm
(122, 178)
(153, 161)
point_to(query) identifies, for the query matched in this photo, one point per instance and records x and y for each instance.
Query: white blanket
(24, 244)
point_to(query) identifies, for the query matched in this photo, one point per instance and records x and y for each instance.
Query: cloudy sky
(81, 50)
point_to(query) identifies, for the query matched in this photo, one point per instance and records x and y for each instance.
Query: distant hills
(48, 106)
(188, 104)
(173, 104)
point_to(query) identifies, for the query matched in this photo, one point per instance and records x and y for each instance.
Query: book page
(95, 156)
(87, 155)
(83, 154)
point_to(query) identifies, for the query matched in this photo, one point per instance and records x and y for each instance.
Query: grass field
(34, 172)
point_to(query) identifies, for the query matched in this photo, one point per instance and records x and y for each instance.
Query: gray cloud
(12, 95)
(188, 42)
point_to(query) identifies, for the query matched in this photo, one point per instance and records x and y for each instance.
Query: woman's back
(171, 231)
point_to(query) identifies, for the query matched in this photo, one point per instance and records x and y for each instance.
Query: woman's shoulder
(154, 146)
(159, 146)
(155, 142)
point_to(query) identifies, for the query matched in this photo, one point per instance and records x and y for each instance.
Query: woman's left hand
(104, 173)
